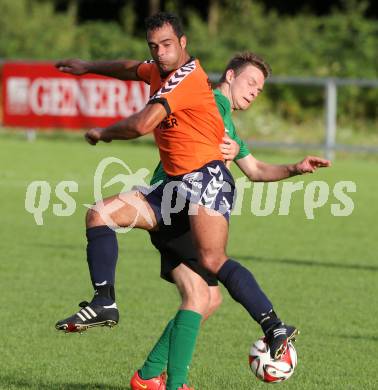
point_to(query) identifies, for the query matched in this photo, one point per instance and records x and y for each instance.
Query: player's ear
(183, 41)
(230, 75)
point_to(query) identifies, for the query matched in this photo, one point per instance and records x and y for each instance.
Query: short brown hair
(239, 61)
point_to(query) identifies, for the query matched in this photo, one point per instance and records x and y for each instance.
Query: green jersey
(224, 108)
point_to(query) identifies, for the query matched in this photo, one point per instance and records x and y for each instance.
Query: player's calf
(215, 302)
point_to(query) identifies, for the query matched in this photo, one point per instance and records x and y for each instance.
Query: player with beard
(183, 115)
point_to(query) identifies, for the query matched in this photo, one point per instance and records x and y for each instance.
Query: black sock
(102, 254)
(269, 321)
(243, 287)
(103, 295)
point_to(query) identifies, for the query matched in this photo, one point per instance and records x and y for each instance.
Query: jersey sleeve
(144, 71)
(180, 90)
(244, 150)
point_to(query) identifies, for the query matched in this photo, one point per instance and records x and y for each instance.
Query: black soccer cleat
(278, 337)
(292, 332)
(89, 316)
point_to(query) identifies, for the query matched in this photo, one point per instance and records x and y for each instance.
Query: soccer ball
(269, 370)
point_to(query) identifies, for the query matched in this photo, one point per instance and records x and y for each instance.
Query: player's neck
(226, 91)
(185, 58)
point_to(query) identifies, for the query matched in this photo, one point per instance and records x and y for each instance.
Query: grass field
(321, 274)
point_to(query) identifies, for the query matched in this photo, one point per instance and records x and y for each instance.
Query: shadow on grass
(258, 259)
(58, 246)
(308, 263)
(24, 383)
(81, 248)
(371, 338)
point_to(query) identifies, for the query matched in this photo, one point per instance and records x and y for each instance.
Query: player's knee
(214, 303)
(212, 261)
(93, 219)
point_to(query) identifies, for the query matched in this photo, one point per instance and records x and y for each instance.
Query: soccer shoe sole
(73, 328)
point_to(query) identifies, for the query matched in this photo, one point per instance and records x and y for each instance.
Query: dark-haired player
(179, 89)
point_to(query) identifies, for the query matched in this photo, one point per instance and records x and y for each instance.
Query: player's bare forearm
(257, 170)
(123, 130)
(121, 69)
(271, 172)
(135, 126)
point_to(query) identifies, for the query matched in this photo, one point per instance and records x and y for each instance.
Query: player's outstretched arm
(121, 69)
(257, 170)
(135, 126)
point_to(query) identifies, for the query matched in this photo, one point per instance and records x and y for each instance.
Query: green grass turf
(321, 275)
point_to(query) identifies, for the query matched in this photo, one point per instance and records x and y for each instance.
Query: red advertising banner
(38, 95)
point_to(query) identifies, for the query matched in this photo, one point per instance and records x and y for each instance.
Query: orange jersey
(190, 135)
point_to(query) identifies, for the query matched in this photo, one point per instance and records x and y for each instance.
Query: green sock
(158, 357)
(183, 340)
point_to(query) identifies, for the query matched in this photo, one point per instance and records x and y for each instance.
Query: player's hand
(96, 134)
(310, 164)
(229, 148)
(73, 66)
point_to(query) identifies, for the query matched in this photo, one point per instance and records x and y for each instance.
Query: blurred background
(320, 273)
(305, 42)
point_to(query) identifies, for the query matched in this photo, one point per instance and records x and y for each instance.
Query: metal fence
(329, 144)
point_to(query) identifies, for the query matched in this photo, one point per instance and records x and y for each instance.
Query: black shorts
(174, 242)
(211, 186)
